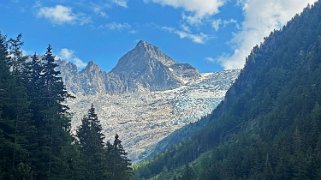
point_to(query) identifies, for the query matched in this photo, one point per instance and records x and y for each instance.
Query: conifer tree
(109, 160)
(35, 140)
(99, 161)
(17, 59)
(51, 117)
(15, 129)
(120, 164)
(90, 140)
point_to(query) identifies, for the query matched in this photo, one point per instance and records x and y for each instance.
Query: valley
(145, 97)
(144, 118)
(236, 97)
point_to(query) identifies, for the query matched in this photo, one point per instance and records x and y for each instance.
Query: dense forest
(35, 137)
(269, 124)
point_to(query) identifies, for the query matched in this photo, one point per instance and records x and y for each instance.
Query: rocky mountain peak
(143, 44)
(67, 66)
(144, 68)
(146, 52)
(91, 67)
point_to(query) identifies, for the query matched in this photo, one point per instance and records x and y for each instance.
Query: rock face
(89, 81)
(145, 68)
(144, 119)
(145, 97)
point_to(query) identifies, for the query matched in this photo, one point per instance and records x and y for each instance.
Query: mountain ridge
(144, 118)
(144, 68)
(145, 97)
(269, 124)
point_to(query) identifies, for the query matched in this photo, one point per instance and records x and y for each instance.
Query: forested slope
(269, 124)
(35, 137)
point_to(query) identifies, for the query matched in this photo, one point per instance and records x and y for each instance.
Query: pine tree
(35, 140)
(5, 124)
(90, 140)
(120, 164)
(33, 74)
(50, 116)
(15, 129)
(109, 150)
(17, 59)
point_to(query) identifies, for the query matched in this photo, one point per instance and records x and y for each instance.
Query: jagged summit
(152, 52)
(142, 44)
(91, 66)
(142, 54)
(91, 63)
(144, 68)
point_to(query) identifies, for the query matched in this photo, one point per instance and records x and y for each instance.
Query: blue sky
(209, 34)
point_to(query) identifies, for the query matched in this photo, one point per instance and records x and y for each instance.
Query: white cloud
(261, 17)
(79, 63)
(210, 59)
(69, 55)
(218, 23)
(231, 21)
(99, 10)
(60, 14)
(115, 26)
(186, 28)
(200, 38)
(197, 9)
(121, 3)
(66, 53)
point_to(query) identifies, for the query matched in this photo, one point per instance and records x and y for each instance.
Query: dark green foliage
(14, 120)
(17, 59)
(119, 163)
(99, 161)
(188, 173)
(90, 140)
(50, 117)
(35, 140)
(269, 124)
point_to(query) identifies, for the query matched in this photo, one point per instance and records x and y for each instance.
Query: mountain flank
(145, 97)
(145, 68)
(269, 124)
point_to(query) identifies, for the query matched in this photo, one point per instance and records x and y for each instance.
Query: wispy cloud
(200, 38)
(60, 14)
(211, 59)
(99, 10)
(69, 55)
(195, 10)
(261, 17)
(121, 3)
(218, 23)
(115, 26)
(119, 27)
